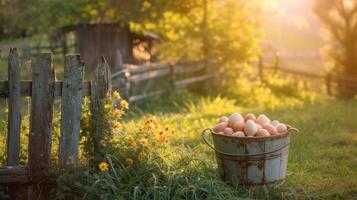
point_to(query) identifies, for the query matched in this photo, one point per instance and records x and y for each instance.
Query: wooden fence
(42, 89)
(330, 81)
(176, 76)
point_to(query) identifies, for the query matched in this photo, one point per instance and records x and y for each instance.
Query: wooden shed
(115, 41)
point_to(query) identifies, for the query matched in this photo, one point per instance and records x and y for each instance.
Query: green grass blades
(322, 159)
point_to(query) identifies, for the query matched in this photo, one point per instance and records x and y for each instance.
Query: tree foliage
(340, 20)
(190, 29)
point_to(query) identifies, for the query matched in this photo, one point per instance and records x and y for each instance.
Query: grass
(322, 159)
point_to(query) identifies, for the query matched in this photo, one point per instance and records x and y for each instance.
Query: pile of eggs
(249, 126)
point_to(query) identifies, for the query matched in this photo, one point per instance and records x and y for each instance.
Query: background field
(322, 159)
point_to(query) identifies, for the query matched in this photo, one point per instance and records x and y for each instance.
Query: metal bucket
(251, 161)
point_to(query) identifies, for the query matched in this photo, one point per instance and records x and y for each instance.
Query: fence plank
(127, 85)
(150, 75)
(100, 87)
(71, 110)
(188, 81)
(43, 83)
(13, 175)
(144, 68)
(188, 68)
(14, 116)
(26, 87)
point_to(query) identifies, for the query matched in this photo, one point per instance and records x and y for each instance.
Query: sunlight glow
(271, 5)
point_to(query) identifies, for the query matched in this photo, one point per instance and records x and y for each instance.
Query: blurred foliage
(189, 29)
(230, 31)
(274, 92)
(339, 18)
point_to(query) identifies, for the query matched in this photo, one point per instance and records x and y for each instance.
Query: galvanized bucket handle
(243, 155)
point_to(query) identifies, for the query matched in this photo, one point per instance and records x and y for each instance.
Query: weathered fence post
(100, 87)
(14, 116)
(43, 83)
(71, 110)
(127, 84)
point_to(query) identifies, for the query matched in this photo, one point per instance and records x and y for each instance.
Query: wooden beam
(13, 175)
(149, 75)
(133, 69)
(26, 87)
(188, 68)
(14, 115)
(188, 81)
(71, 111)
(40, 136)
(101, 87)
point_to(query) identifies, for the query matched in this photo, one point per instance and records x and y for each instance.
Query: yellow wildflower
(118, 113)
(124, 104)
(150, 126)
(141, 156)
(143, 141)
(116, 95)
(6, 110)
(117, 125)
(162, 138)
(129, 161)
(103, 166)
(132, 144)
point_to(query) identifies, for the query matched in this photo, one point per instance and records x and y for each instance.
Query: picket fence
(43, 88)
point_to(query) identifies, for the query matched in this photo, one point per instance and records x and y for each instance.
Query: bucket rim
(288, 132)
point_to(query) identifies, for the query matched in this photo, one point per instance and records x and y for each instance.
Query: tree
(340, 20)
(227, 30)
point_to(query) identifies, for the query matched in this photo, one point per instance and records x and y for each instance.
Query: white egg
(228, 131)
(262, 133)
(275, 123)
(239, 126)
(220, 127)
(263, 119)
(238, 134)
(258, 126)
(249, 116)
(250, 128)
(271, 129)
(223, 119)
(234, 118)
(281, 128)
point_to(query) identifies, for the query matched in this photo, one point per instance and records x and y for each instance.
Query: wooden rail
(176, 75)
(347, 82)
(26, 88)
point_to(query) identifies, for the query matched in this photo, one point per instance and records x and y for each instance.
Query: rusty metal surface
(267, 168)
